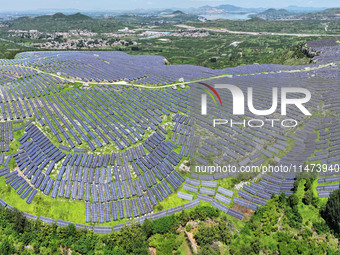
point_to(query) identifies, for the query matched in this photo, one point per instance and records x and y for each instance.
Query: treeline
(331, 212)
(286, 225)
(22, 236)
(279, 228)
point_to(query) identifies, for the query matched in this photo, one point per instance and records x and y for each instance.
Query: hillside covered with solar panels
(104, 139)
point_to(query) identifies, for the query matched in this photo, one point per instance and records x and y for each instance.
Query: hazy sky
(20, 5)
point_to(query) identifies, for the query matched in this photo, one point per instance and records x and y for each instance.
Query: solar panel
(87, 192)
(190, 188)
(166, 187)
(207, 191)
(102, 230)
(119, 226)
(107, 212)
(55, 189)
(26, 192)
(126, 189)
(101, 213)
(157, 193)
(185, 196)
(220, 206)
(23, 187)
(151, 197)
(191, 204)
(245, 195)
(259, 201)
(174, 210)
(101, 193)
(68, 189)
(121, 209)
(74, 190)
(31, 196)
(235, 214)
(138, 188)
(210, 184)
(172, 182)
(107, 192)
(128, 209)
(47, 220)
(147, 203)
(132, 188)
(119, 190)
(223, 199)
(87, 212)
(94, 193)
(82, 226)
(113, 191)
(241, 201)
(179, 176)
(204, 198)
(62, 223)
(81, 191)
(94, 213)
(162, 190)
(192, 182)
(142, 183)
(114, 211)
(141, 206)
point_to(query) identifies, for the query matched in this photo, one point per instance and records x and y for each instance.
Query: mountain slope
(329, 14)
(60, 22)
(274, 14)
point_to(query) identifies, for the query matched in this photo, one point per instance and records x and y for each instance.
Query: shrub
(308, 197)
(293, 200)
(163, 225)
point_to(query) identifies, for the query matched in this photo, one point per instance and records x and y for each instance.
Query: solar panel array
(134, 124)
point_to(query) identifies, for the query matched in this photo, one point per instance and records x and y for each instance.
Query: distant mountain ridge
(224, 8)
(162, 17)
(301, 9)
(60, 22)
(57, 16)
(328, 14)
(274, 14)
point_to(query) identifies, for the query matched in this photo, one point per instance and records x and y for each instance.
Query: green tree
(308, 197)
(164, 224)
(130, 240)
(183, 217)
(282, 200)
(207, 250)
(293, 200)
(6, 247)
(147, 227)
(19, 221)
(206, 235)
(331, 211)
(308, 184)
(296, 184)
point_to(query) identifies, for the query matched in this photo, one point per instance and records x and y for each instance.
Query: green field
(307, 26)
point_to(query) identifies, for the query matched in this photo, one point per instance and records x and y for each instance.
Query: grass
(42, 205)
(184, 248)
